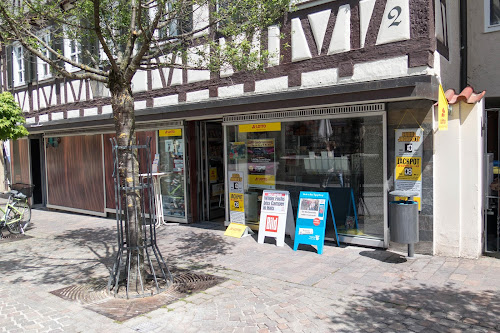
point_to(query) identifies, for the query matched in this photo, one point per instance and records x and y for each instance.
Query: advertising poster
(276, 216)
(236, 197)
(311, 219)
(311, 208)
(261, 163)
(408, 166)
(237, 151)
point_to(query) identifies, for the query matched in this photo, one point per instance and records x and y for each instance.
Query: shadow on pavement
(192, 249)
(421, 309)
(71, 257)
(384, 256)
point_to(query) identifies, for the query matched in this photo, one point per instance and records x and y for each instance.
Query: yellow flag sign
(442, 110)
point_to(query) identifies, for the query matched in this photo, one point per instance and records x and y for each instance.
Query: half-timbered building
(324, 115)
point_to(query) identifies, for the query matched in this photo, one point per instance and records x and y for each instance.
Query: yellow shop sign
(263, 127)
(171, 132)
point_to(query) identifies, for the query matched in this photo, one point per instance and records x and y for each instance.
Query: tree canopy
(11, 118)
(119, 37)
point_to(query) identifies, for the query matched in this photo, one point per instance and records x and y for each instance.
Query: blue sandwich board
(311, 219)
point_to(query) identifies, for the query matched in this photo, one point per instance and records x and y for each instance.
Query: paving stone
(269, 289)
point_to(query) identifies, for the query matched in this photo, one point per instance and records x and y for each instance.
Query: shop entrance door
(492, 184)
(212, 170)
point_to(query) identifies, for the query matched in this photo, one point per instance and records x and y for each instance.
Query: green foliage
(123, 27)
(11, 118)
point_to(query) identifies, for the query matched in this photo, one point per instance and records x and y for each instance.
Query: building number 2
(394, 16)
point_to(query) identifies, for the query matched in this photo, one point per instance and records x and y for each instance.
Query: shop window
(342, 156)
(491, 15)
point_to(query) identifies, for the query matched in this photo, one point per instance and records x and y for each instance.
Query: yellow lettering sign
(263, 127)
(170, 132)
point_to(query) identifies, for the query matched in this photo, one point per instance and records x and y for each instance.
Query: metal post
(411, 250)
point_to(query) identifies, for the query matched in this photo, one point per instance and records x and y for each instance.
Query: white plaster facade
(458, 183)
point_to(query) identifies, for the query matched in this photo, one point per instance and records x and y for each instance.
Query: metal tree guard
(157, 275)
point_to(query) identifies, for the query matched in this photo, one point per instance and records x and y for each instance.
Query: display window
(171, 167)
(342, 156)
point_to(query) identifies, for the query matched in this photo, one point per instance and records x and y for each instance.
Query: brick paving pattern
(268, 288)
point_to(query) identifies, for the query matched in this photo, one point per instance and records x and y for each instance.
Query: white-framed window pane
(494, 12)
(20, 64)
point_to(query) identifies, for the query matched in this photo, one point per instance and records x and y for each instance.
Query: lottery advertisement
(236, 197)
(408, 166)
(261, 171)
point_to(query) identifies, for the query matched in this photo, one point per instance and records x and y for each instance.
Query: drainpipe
(463, 44)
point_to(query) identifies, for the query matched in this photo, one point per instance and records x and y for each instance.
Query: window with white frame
(73, 51)
(43, 67)
(18, 65)
(491, 15)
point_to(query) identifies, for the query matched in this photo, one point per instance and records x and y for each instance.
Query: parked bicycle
(16, 215)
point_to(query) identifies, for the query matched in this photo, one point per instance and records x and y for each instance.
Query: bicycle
(16, 215)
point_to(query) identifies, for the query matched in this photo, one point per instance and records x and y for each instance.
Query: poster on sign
(408, 166)
(276, 216)
(236, 197)
(311, 219)
(261, 163)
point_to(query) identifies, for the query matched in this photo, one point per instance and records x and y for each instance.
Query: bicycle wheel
(18, 217)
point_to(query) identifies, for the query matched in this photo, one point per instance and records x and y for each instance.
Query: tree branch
(97, 27)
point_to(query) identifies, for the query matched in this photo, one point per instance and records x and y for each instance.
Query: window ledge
(492, 28)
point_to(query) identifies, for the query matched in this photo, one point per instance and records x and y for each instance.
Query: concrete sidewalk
(268, 288)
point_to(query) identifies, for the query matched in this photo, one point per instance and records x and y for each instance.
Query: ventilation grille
(307, 113)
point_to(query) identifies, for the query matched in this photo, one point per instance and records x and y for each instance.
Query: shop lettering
(259, 126)
(409, 137)
(236, 178)
(271, 223)
(408, 161)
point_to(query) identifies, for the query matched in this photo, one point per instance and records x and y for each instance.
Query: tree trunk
(124, 118)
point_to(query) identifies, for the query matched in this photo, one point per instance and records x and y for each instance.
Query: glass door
(172, 174)
(213, 170)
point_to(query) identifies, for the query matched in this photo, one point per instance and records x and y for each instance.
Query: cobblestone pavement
(269, 288)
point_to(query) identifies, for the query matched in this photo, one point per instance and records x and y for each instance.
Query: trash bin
(403, 220)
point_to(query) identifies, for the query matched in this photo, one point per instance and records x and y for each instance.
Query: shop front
(339, 150)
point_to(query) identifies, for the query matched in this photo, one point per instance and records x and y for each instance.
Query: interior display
(341, 156)
(172, 184)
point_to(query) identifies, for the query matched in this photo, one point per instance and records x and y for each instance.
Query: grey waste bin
(403, 220)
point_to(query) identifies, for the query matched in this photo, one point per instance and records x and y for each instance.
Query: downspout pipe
(463, 44)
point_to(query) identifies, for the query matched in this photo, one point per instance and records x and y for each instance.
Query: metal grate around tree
(139, 269)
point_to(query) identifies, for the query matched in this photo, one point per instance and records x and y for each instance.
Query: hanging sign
(261, 163)
(170, 132)
(442, 110)
(262, 127)
(236, 197)
(276, 217)
(408, 166)
(311, 219)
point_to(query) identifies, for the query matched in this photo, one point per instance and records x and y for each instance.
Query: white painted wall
(458, 184)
